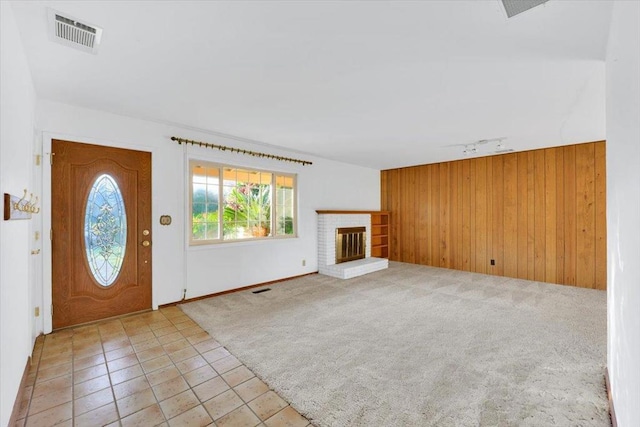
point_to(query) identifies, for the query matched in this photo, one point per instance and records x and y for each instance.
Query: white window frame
(221, 166)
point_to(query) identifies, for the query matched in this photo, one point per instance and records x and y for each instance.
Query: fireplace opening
(350, 243)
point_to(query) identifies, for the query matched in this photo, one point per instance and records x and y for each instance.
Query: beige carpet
(422, 346)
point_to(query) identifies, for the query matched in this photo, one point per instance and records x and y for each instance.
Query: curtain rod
(239, 150)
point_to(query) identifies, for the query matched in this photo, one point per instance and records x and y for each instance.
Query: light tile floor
(155, 368)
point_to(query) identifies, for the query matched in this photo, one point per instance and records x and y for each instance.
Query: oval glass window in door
(105, 230)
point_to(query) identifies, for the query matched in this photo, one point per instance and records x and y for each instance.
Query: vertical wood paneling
(539, 214)
(511, 246)
(402, 225)
(425, 206)
(435, 222)
(384, 182)
(394, 205)
(428, 211)
(445, 226)
(481, 230)
(550, 215)
(409, 187)
(585, 215)
(539, 244)
(601, 217)
(497, 216)
(472, 216)
(489, 219)
(460, 248)
(570, 227)
(560, 253)
(531, 216)
(423, 215)
(466, 216)
(453, 241)
(523, 212)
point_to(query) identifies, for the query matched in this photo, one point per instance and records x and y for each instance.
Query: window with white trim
(231, 204)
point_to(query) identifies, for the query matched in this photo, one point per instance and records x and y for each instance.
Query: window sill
(233, 243)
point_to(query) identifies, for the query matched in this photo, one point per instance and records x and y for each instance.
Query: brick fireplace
(328, 224)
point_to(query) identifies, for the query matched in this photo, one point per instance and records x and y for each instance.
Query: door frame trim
(47, 279)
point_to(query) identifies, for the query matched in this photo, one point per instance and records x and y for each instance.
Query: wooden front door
(101, 232)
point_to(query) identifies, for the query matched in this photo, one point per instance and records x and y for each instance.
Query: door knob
(146, 243)
(145, 232)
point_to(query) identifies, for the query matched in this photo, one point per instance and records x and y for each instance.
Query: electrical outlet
(36, 311)
(304, 262)
(493, 262)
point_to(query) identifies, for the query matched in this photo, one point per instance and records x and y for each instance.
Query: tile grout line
(113, 394)
(144, 374)
(38, 368)
(35, 378)
(190, 387)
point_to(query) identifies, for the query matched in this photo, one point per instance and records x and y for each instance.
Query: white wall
(323, 185)
(17, 104)
(623, 211)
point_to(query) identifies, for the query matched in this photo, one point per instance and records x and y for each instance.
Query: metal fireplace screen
(350, 243)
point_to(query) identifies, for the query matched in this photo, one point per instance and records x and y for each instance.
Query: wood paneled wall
(539, 214)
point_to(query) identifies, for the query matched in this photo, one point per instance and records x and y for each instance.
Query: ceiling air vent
(514, 7)
(71, 32)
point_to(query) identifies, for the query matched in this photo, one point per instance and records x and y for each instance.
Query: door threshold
(120, 316)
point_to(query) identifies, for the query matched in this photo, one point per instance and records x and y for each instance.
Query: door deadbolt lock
(146, 243)
(145, 232)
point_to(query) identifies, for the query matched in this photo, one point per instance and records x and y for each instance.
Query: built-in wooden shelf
(380, 234)
(379, 229)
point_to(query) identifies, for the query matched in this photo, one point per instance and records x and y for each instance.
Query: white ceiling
(380, 84)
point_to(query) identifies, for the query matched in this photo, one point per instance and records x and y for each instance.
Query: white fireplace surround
(327, 225)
